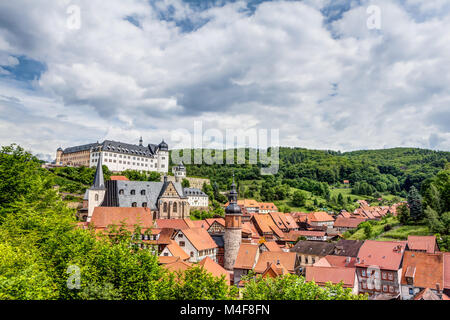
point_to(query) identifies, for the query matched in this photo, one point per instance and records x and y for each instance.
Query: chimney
(438, 288)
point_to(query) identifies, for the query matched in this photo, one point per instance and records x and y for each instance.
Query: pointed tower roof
(99, 180)
(233, 207)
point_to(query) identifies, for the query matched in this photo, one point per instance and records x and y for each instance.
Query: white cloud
(338, 86)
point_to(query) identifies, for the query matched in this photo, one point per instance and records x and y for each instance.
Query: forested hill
(386, 170)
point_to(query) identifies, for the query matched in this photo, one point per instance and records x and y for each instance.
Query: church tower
(233, 229)
(96, 193)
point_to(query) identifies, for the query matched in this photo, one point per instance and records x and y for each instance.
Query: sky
(318, 71)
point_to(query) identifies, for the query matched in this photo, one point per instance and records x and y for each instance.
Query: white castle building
(117, 156)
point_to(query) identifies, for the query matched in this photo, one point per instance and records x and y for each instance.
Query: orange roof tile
(288, 260)
(272, 246)
(274, 270)
(385, 254)
(215, 269)
(102, 217)
(336, 261)
(199, 238)
(167, 259)
(342, 222)
(320, 216)
(174, 223)
(246, 256)
(322, 275)
(178, 266)
(426, 268)
(119, 178)
(425, 243)
(177, 251)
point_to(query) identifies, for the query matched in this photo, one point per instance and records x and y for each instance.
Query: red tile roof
(200, 238)
(287, 259)
(119, 178)
(422, 243)
(246, 256)
(177, 251)
(336, 261)
(272, 246)
(306, 233)
(274, 270)
(342, 222)
(102, 217)
(178, 266)
(384, 254)
(320, 216)
(215, 269)
(426, 268)
(447, 270)
(322, 275)
(175, 223)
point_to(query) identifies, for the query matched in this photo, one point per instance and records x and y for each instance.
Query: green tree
(185, 183)
(299, 198)
(415, 204)
(403, 214)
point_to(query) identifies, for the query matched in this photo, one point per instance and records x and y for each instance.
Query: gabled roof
(336, 261)
(220, 221)
(320, 216)
(274, 270)
(317, 248)
(427, 294)
(267, 206)
(422, 243)
(267, 225)
(200, 224)
(271, 246)
(322, 275)
(287, 259)
(199, 238)
(427, 269)
(384, 254)
(175, 223)
(177, 251)
(215, 269)
(178, 266)
(246, 257)
(102, 217)
(342, 222)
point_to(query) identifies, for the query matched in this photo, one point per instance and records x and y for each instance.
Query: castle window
(144, 204)
(132, 192)
(165, 207)
(121, 191)
(134, 204)
(96, 197)
(175, 207)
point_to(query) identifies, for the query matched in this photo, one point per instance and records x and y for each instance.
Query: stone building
(117, 156)
(233, 229)
(179, 172)
(197, 198)
(165, 199)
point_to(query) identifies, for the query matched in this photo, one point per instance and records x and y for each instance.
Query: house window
(142, 192)
(134, 204)
(383, 275)
(166, 254)
(411, 291)
(96, 197)
(364, 285)
(181, 243)
(363, 273)
(180, 235)
(132, 192)
(391, 276)
(391, 289)
(192, 254)
(385, 289)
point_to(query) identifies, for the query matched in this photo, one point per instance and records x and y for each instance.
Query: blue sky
(311, 69)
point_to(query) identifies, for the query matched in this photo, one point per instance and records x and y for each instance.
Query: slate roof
(152, 193)
(194, 192)
(83, 147)
(347, 248)
(317, 248)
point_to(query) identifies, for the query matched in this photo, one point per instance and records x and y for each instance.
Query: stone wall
(193, 182)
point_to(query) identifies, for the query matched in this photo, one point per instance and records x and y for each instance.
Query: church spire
(99, 180)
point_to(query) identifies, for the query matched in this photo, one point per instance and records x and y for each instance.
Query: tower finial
(99, 180)
(141, 142)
